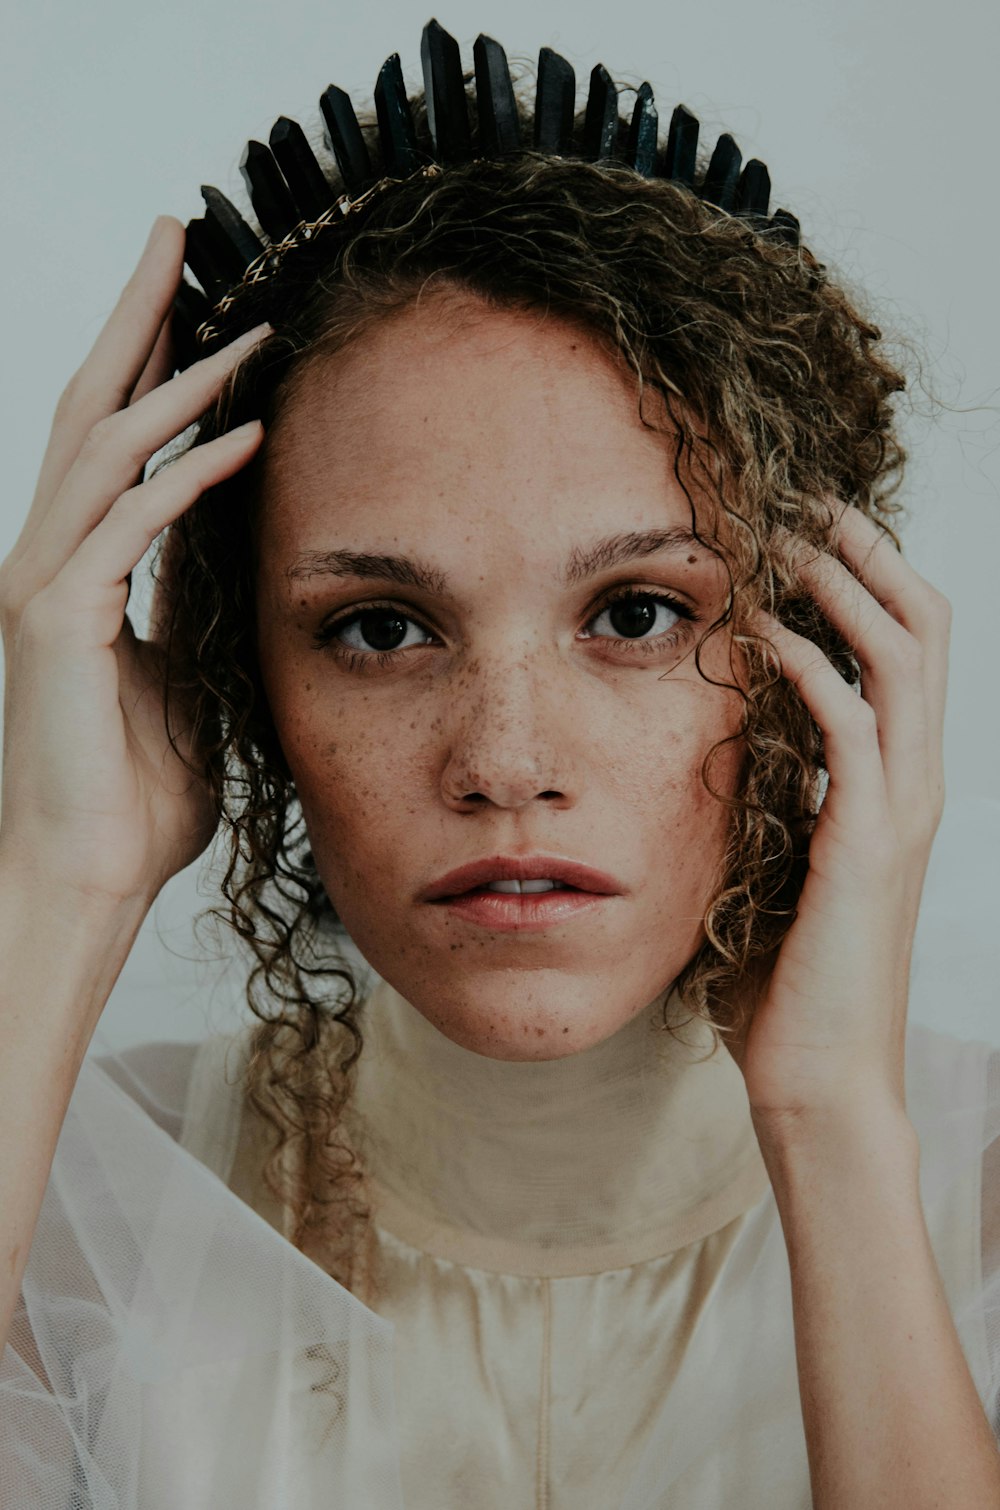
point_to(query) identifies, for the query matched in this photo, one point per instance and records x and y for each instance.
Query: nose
(510, 736)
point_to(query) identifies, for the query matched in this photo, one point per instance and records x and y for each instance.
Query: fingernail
(243, 431)
(252, 337)
(155, 232)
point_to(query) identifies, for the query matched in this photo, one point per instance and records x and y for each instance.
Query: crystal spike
(640, 150)
(302, 173)
(682, 147)
(499, 128)
(600, 125)
(719, 184)
(444, 92)
(395, 122)
(555, 98)
(346, 140)
(272, 203)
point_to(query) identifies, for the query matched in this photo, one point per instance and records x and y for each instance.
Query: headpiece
(294, 202)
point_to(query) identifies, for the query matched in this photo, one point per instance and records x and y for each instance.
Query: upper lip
(521, 868)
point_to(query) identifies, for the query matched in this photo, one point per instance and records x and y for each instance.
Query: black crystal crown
(293, 200)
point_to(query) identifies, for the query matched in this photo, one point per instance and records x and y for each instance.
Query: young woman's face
(499, 460)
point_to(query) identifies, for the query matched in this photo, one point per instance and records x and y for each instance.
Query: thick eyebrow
(613, 550)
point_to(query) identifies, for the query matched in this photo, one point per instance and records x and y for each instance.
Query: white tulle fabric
(173, 1350)
(180, 1336)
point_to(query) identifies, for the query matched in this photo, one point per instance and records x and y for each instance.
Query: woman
(537, 543)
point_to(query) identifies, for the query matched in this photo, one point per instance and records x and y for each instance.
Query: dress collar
(629, 1150)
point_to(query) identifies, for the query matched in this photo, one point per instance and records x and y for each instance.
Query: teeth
(518, 886)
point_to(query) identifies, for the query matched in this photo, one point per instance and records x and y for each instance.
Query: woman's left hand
(830, 1024)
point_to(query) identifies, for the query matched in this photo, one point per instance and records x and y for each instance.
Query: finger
(166, 570)
(907, 596)
(85, 602)
(857, 792)
(115, 452)
(161, 365)
(892, 681)
(117, 359)
(873, 558)
(159, 369)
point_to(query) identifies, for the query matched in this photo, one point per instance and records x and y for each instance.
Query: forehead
(512, 424)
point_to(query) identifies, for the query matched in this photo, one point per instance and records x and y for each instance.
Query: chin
(517, 1041)
(522, 1017)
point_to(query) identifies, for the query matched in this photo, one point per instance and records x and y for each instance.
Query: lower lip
(528, 912)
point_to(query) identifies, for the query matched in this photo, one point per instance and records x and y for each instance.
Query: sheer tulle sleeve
(953, 1093)
(991, 1238)
(170, 1348)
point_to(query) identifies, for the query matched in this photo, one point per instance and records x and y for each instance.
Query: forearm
(891, 1413)
(59, 958)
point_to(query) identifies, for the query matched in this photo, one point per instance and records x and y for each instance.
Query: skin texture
(518, 717)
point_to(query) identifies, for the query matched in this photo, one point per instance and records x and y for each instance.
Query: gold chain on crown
(270, 260)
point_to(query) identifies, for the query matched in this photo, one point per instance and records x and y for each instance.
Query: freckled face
(505, 703)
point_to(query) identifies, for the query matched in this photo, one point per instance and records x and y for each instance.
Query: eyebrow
(583, 563)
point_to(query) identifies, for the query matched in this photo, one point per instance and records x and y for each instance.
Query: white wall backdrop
(878, 120)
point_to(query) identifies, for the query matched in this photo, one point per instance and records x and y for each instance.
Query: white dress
(582, 1298)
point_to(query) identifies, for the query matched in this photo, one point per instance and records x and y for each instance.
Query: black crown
(293, 199)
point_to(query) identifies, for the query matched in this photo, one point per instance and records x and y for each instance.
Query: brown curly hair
(782, 402)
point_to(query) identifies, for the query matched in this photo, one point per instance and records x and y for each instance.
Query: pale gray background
(878, 120)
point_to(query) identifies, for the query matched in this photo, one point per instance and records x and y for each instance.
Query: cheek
(358, 783)
(657, 764)
(680, 824)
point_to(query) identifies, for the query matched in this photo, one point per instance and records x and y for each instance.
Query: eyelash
(356, 660)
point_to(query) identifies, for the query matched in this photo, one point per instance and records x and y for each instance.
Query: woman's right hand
(94, 799)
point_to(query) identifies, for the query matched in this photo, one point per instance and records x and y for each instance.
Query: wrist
(30, 870)
(63, 949)
(864, 1135)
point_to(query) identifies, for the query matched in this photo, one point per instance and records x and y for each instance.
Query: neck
(628, 1150)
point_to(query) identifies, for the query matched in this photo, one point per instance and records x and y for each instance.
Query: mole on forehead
(583, 562)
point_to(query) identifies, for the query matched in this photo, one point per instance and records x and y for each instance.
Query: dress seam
(544, 1396)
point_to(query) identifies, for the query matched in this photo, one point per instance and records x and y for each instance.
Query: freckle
(565, 1030)
(539, 1032)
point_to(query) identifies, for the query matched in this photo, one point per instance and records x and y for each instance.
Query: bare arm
(891, 1412)
(101, 803)
(61, 956)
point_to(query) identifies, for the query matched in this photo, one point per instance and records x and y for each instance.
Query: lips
(564, 872)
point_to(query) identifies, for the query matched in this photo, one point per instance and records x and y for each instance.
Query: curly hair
(782, 404)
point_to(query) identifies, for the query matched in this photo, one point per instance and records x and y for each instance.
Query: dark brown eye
(375, 630)
(634, 615)
(382, 628)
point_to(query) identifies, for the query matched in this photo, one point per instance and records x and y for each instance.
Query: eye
(379, 629)
(633, 615)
